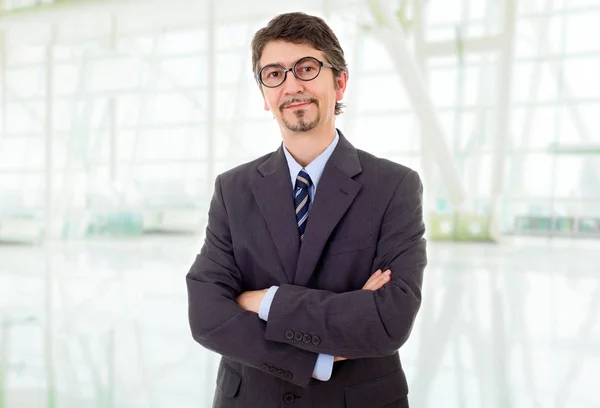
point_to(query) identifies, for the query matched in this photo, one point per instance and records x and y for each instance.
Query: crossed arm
(357, 324)
(253, 299)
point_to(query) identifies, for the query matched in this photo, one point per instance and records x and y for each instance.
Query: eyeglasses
(305, 69)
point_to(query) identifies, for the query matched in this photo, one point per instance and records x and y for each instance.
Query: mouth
(297, 105)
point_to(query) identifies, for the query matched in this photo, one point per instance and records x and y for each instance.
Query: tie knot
(303, 180)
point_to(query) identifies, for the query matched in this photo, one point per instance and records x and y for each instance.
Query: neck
(307, 146)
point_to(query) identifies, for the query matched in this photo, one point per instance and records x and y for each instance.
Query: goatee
(302, 125)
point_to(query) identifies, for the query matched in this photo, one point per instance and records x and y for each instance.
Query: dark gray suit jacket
(367, 215)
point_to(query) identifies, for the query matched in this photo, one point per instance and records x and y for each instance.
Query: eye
(273, 74)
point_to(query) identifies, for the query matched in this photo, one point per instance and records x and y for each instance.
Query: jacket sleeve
(363, 323)
(218, 323)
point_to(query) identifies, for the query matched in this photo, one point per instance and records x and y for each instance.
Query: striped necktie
(302, 200)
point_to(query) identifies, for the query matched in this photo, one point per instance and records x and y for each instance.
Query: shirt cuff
(323, 367)
(265, 305)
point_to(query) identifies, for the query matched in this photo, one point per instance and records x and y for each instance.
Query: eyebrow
(286, 65)
(280, 63)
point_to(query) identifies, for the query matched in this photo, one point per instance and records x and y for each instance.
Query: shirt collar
(316, 167)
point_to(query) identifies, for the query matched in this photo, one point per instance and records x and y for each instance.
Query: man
(283, 287)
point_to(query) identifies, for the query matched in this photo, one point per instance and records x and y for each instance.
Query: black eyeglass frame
(293, 69)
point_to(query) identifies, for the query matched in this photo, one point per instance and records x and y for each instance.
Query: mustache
(297, 100)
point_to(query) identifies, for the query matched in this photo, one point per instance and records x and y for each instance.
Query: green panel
(116, 224)
(459, 227)
(576, 149)
(441, 227)
(474, 228)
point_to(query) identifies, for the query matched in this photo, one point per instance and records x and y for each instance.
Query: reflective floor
(104, 324)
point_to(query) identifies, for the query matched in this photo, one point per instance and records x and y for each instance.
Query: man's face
(300, 106)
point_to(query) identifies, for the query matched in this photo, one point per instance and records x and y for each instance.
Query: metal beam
(518, 161)
(49, 324)
(240, 92)
(391, 34)
(546, 48)
(112, 113)
(48, 140)
(429, 175)
(503, 125)
(349, 118)
(211, 99)
(3, 82)
(476, 138)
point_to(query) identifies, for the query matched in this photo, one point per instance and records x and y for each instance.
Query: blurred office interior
(116, 117)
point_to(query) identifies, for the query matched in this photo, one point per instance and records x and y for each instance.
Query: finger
(383, 279)
(375, 275)
(372, 279)
(369, 285)
(379, 284)
(375, 284)
(378, 279)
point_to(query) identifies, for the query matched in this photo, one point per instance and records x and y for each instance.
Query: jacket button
(273, 370)
(281, 373)
(298, 336)
(316, 340)
(288, 376)
(307, 338)
(288, 398)
(264, 367)
(289, 334)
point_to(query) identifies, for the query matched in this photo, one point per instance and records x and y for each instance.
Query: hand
(251, 300)
(378, 279)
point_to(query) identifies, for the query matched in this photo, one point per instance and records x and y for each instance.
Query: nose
(292, 85)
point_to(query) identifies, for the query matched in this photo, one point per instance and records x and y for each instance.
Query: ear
(341, 81)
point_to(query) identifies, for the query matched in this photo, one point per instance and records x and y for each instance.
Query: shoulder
(392, 183)
(385, 170)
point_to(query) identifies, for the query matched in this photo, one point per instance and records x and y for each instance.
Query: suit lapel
(335, 193)
(273, 193)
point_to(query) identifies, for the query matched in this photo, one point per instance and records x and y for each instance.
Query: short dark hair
(301, 28)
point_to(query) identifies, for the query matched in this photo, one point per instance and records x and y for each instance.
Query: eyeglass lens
(305, 69)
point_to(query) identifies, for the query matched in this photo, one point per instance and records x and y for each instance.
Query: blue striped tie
(302, 200)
